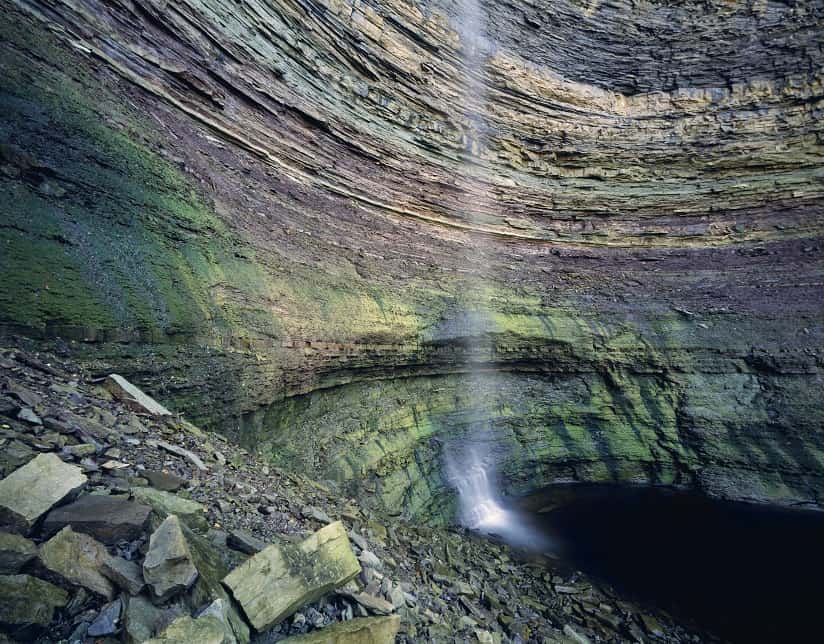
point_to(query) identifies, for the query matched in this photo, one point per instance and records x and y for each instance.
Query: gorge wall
(259, 213)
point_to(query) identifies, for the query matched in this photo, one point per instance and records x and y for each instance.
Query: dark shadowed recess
(742, 572)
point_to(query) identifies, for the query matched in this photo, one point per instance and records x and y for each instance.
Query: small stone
(365, 630)
(108, 620)
(77, 558)
(370, 559)
(168, 566)
(374, 604)
(575, 636)
(133, 397)
(358, 540)
(244, 542)
(185, 453)
(185, 630)
(29, 416)
(81, 450)
(15, 552)
(27, 600)
(32, 490)
(396, 597)
(652, 625)
(164, 480)
(107, 518)
(127, 575)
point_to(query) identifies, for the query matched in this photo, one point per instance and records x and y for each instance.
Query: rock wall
(261, 214)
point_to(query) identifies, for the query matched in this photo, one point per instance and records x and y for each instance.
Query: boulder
(143, 619)
(32, 490)
(27, 600)
(106, 518)
(126, 575)
(165, 504)
(220, 609)
(168, 567)
(185, 630)
(133, 397)
(364, 630)
(79, 559)
(281, 578)
(15, 552)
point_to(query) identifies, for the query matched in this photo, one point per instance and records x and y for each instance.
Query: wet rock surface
(432, 584)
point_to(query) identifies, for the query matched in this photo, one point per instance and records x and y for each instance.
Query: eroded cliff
(262, 215)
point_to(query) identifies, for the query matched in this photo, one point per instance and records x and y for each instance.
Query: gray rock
(133, 397)
(166, 504)
(164, 480)
(107, 518)
(185, 630)
(79, 559)
(370, 559)
(374, 604)
(15, 552)
(29, 416)
(185, 453)
(220, 610)
(126, 575)
(107, 621)
(34, 489)
(277, 581)
(245, 542)
(143, 619)
(168, 567)
(27, 600)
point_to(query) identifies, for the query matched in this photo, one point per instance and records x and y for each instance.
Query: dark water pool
(742, 572)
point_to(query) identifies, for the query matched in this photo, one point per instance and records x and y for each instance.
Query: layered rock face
(280, 217)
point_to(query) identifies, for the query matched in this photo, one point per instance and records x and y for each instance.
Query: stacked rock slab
(79, 559)
(32, 490)
(281, 578)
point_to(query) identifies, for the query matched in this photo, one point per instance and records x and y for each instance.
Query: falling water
(470, 460)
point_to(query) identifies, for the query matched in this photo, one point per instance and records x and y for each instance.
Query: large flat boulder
(193, 514)
(185, 630)
(27, 600)
(365, 630)
(32, 490)
(15, 552)
(281, 578)
(79, 559)
(133, 397)
(106, 518)
(168, 567)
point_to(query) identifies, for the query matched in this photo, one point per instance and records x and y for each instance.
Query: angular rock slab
(168, 566)
(32, 490)
(15, 552)
(133, 397)
(28, 600)
(78, 558)
(165, 504)
(281, 578)
(126, 575)
(185, 630)
(364, 630)
(106, 518)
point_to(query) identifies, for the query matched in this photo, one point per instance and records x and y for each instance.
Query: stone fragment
(185, 630)
(32, 490)
(133, 397)
(575, 636)
(107, 518)
(81, 450)
(277, 581)
(245, 542)
(165, 504)
(26, 414)
(370, 560)
(126, 575)
(164, 480)
(15, 552)
(364, 630)
(27, 600)
(168, 567)
(142, 619)
(77, 558)
(220, 610)
(374, 604)
(107, 621)
(185, 453)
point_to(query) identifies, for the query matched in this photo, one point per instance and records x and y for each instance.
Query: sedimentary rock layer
(238, 207)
